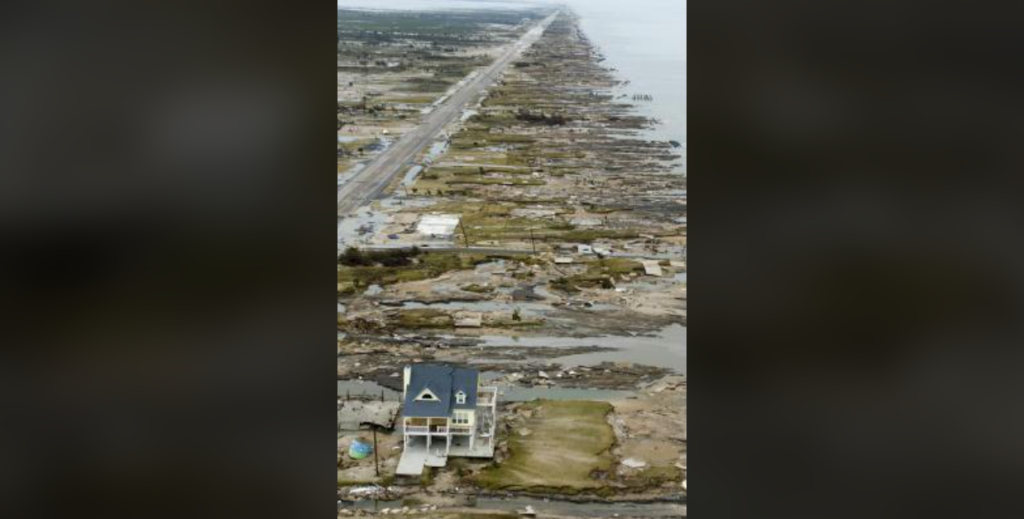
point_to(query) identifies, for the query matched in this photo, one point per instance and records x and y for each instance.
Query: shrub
(353, 257)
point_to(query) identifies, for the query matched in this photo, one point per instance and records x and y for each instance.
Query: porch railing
(423, 429)
(487, 396)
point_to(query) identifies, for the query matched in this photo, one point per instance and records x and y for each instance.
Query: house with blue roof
(445, 412)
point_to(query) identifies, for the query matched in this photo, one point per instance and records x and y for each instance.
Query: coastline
(547, 159)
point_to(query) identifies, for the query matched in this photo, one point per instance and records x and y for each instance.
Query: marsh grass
(570, 441)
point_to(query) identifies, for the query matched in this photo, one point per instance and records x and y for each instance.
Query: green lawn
(568, 442)
(429, 265)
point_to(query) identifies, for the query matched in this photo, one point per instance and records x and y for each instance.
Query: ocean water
(437, 5)
(645, 40)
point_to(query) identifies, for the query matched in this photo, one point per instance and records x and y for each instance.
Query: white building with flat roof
(437, 224)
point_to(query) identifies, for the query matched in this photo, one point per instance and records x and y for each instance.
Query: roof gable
(426, 395)
(444, 382)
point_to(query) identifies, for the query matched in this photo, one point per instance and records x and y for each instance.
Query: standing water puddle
(410, 177)
(367, 388)
(434, 152)
(527, 308)
(555, 507)
(666, 349)
(359, 228)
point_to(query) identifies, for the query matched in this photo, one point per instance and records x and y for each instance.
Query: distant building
(468, 320)
(438, 224)
(652, 267)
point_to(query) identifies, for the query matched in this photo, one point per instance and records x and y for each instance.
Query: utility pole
(465, 237)
(376, 465)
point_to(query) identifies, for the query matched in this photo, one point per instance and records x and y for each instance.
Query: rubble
(354, 414)
(546, 212)
(634, 463)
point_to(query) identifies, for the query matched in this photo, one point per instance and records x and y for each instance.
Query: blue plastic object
(359, 449)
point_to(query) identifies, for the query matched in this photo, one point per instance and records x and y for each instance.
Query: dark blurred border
(166, 227)
(855, 334)
(165, 221)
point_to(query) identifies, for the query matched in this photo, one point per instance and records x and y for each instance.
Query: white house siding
(470, 414)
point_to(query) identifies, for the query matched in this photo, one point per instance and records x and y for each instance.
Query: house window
(460, 398)
(460, 418)
(426, 394)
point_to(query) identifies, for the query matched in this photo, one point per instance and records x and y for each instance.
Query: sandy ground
(652, 429)
(362, 471)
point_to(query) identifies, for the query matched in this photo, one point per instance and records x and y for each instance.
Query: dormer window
(460, 397)
(427, 395)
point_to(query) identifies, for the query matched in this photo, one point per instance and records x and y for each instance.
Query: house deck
(412, 461)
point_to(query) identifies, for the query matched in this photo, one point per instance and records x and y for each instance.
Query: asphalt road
(368, 184)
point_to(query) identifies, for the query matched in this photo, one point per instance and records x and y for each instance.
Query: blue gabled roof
(444, 381)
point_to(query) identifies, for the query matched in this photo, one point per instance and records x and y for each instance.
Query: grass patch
(484, 181)
(355, 257)
(600, 274)
(569, 442)
(478, 170)
(353, 147)
(424, 266)
(590, 235)
(355, 482)
(426, 477)
(614, 267)
(473, 515)
(414, 100)
(425, 85)
(424, 318)
(656, 476)
(483, 137)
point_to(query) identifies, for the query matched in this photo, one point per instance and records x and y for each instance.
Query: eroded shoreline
(549, 165)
